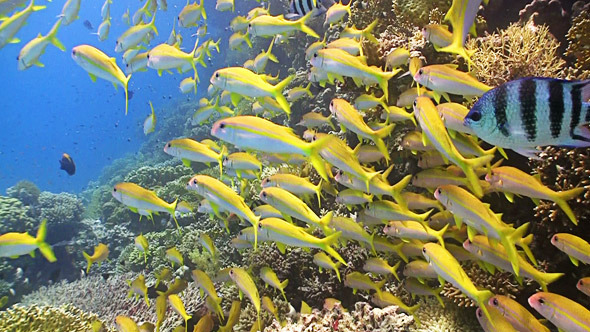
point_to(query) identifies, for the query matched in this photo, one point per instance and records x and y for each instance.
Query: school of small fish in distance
(511, 116)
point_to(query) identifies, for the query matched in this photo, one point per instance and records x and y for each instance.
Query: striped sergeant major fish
(533, 111)
(299, 8)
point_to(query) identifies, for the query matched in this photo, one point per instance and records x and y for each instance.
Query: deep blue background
(55, 109)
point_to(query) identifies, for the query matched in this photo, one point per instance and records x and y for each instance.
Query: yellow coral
(518, 51)
(578, 36)
(39, 318)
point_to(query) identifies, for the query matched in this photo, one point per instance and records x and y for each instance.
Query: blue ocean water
(56, 109)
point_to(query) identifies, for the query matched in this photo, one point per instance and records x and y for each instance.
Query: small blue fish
(533, 111)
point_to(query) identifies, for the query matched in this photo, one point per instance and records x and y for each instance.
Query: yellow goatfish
(18, 244)
(13, 24)
(98, 64)
(242, 82)
(434, 131)
(250, 132)
(178, 307)
(29, 55)
(141, 243)
(138, 288)
(448, 269)
(189, 150)
(564, 313)
(267, 26)
(143, 201)
(101, 253)
(461, 15)
(191, 14)
(246, 286)
(126, 324)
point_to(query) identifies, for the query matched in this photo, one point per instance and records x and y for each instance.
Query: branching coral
(41, 318)
(108, 298)
(517, 51)
(578, 36)
(363, 318)
(25, 191)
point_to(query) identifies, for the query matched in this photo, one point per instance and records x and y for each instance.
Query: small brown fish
(67, 164)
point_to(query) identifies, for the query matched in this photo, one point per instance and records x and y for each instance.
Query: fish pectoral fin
(235, 98)
(116, 87)
(282, 247)
(458, 221)
(441, 281)
(32, 253)
(490, 268)
(509, 197)
(14, 41)
(471, 233)
(39, 64)
(574, 260)
(133, 209)
(186, 162)
(240, 294)
(92, 77)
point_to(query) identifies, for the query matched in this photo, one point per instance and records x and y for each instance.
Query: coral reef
(43, 318)
(550, 13)
(63, 208)
(434, 318)
(14, 216)
(517, 51)
(578, 37)
(25, 191)
(363, 318)
(107, 298)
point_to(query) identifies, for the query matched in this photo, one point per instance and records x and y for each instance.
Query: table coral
(46, 318)
(515, 52)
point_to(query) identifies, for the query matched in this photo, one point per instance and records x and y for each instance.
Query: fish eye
(581, 283)
(315, 55)
(541, 301)
(438, 191)
(469, 241)
(195, 182)
(264, 194)
(222, 125)
(495, 301)
(424, 250)
(475, 116)
(249, 25)
(260, 226)
(148, 56)
(115, 189)
(231, 272)
(415, 103)
(479, 313)
(169, 145)
(555, 238)
(420, 72)
(73, 52)
(217, 75)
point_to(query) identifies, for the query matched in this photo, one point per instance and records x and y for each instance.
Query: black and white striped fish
(299, 8)
(533, 111)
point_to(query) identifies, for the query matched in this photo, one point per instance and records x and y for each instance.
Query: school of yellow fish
(383, 216)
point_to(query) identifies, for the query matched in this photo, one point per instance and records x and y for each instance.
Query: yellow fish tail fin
(318, 191)
(88, 260)
(278, 94)
(469, 170)
(153, 24)
(518, 238)
(325, 221)
(43, 246)
(203, 12)
(126, 86)
(222, 154)
(325, 244)
(562, 198)
(482, 298)
(172, 212)
(313, 151)
(547, 278)
(52, 35)
(368, 32)
(255, 224)
(304, 28)
(397, 189)
(439, 235)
